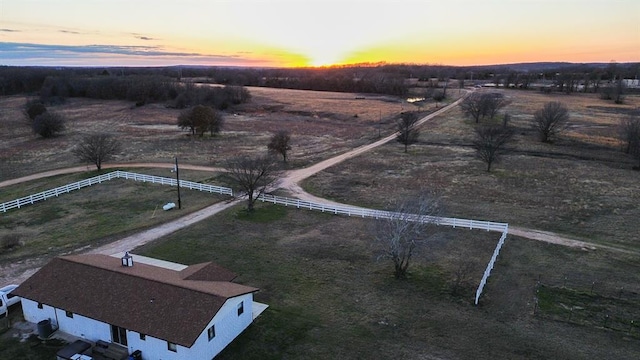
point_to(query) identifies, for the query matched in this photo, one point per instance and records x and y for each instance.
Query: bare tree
(280, 143)
(491, 104)
(200, 119)
(406, 230)
(490, 142)
(253, 175)
(479, 106)
(48, 124)
(629, 132)
(472, 106)
(408, 133)
(551, 120)
(97, 149)
(34, 108)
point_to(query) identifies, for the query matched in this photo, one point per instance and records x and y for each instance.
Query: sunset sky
(287, 33)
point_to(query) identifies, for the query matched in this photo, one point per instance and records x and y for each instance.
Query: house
(185, 312)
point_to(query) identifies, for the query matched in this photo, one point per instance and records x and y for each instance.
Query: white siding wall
(78, 325)
(84, 327)
(228, 325)
(33, 314)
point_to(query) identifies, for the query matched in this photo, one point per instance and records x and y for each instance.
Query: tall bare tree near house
(280, 143)
(253, 175)
(551, 120)
(490, 142)
(408, 133)
(97, 149)
(407, 230)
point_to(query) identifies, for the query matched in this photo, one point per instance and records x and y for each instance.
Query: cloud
(145, 38)
(9, 30)
(22, 49)
(116, 55)
(69, 32)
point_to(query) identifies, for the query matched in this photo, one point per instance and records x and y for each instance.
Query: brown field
(329, 298)
(322, 124)
(582, 185)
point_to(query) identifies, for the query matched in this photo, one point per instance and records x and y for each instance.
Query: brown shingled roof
(207, 272)
(147, 299)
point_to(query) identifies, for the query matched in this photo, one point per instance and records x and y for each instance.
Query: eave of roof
(143, 298)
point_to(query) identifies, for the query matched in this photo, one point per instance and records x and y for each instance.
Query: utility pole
(178, 183)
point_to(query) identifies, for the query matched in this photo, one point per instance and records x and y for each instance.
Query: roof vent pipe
(127, 260)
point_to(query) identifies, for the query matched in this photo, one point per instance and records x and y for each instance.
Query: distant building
(192, 312)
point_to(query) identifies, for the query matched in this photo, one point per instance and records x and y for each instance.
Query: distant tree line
(52, 86)
(157, 83)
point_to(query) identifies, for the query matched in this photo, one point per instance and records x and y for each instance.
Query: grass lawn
(331, 298)
(88, 217)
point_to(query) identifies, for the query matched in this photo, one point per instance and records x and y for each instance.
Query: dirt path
(19, 271)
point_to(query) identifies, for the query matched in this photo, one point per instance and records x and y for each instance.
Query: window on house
(211, 332)
(172, 347)
(40, 306)
(69, 314)
(143, 337)
(240, 308)
(119, 335)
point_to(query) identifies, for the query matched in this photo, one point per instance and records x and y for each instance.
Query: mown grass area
(88, 217)
(330, 297)
(588, 308)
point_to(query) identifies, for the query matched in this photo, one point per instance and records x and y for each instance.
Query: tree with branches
(472, 106)
(253, 175)
(280, 144)
(97, 149)
(200, 119)
(629, 132)
(490, 142)
(48, 124)
(408, 133)
(478, 106)
(406, 230)
(551, 120)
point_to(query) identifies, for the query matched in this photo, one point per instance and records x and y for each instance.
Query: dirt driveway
(19, 271)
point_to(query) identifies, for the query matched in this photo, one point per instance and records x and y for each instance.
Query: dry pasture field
(322, 124)
(582, 185)
(329, 296)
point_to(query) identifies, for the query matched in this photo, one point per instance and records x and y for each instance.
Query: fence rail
(55, 192)
(300, 204)
(379, 214)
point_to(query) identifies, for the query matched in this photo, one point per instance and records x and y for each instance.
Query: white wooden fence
(300, 204)
(379, 214)
(29, 200)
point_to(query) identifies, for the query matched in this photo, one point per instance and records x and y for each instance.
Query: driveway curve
(20, 271)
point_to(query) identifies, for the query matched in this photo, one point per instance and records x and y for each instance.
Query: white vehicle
(7, 299)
